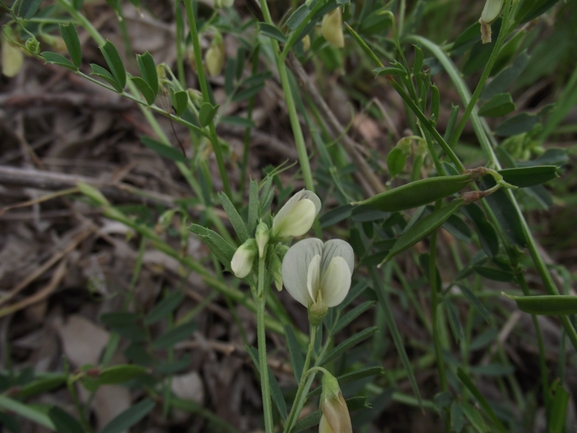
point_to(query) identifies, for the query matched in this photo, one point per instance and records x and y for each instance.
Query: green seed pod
(423, 228)
(546, 305)
(421, 192)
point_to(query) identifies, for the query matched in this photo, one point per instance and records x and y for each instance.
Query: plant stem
(206, 95)
(435, 306)
(260, 300)
(304, 384)
(291, 107)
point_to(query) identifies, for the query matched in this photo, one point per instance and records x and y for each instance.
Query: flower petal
(314, 277)
(299, 221)
(295, 267)
(337, 248)
(285, 214)
(335, 282)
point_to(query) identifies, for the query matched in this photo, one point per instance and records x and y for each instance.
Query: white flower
(332, 28)
(318, 275)
(296, 217)
(241, 263)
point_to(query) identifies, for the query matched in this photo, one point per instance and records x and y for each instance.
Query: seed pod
(423, 228)
(547, 305)
(421, 192)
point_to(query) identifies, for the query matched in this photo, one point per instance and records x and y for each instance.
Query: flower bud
(32, 45)
(262, 236)
(275, 268)
(335, 413)
(296, 217)
(332, 28)
(214, 57)
(490, 13)
(12, 57)
(195, 96)
(243, 258)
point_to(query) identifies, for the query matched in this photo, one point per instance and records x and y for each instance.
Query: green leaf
(499, 105)
(348, 343)
(475, 302)
(174, 367)
(351, 315)
(272, 32)
(252, 206)
(99, 71)
(422, 228)
(307, 422)
(129, 417)
(175, 335)
(464, 378)
(396, 160)
(70, 36)
(485, 230)
(518, 124)
(125, 324)
(63, 422)
(207, 113)
(458, 228)
(147, 70)
(57, 59)
(335, 215)
(529, 176)
(531, 9)
(454, 321)
(114, 63)
(165, 307)
(119, 374)
(475, 418)
(26, 411)
(163, 149)
(234, 217)
(547, 305)
(297, 17)
(222, 250)
(145, 89)
(179, 101)
(504, 79)
(480, 53)
(553, 156)
(457, 417)
(494, 274)
(295, 352)
(10, 423)
(28, 8)
(558, 410)
(366, 213)
(506, 213)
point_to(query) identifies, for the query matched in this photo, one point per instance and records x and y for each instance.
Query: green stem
(488, 67)
(260, 300)
(305, 382)
(291, 107)
(206, 95)
(435, 306)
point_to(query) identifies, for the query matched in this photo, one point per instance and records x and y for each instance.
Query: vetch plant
(318, 275)
(241, 263)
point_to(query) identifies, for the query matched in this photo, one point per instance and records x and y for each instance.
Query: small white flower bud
(214, 57)
(241, 263)
(297, 216)
(490, 13)
(262, 236)
(12, 57)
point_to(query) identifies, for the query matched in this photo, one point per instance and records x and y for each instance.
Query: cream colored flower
(318, 275)
(332, 28)
(296, 217)
(243, 258)
(335, 413)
